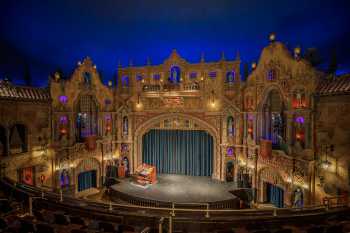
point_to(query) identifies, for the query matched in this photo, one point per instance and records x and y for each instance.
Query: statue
(298, 198)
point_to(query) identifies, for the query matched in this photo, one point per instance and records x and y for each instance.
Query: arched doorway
(88, 174)
(273, 118)
(271, 187)
(184, 123)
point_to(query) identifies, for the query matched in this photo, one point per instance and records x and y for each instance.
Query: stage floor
(179, 189)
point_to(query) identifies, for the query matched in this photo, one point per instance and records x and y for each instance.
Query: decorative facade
(270, 128)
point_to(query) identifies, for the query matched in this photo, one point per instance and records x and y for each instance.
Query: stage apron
(186, 152)
(86, 180)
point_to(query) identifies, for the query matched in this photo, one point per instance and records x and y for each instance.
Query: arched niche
(272, 119)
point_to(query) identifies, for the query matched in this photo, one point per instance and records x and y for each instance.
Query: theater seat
(76, 220)
(77, 231)
(335, 229)
(60, 219)
(315, 230)
(26, 227)
(3, 224)
(106, 227)
(44, 228)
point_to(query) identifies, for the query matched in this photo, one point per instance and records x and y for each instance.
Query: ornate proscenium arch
(149, 124)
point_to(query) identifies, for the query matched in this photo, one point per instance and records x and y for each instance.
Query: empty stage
(180, 189)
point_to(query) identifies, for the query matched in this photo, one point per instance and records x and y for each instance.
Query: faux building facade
(284, 126)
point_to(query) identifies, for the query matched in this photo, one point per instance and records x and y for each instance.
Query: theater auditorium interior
(186, 143)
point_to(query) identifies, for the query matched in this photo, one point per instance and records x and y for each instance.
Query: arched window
(63, 126)
(87, 78)
(230, 127)
(175, 75)
(125, 81)
(18, 140)
(273, 118)
(108, 124)
(271, 75)
(230, 77)
(125, 126)
(87, 117)
(299, 131)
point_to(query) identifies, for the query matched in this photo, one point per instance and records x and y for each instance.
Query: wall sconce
(212, 98)
(138, 103)
(325, 164)
(253, 65)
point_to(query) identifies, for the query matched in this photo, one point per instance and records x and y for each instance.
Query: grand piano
(145, 174)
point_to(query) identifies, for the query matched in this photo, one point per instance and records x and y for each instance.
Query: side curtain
(186, 152)
(86, 180)
(275, 195)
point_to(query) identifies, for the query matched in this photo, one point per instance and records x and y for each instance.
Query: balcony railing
(149, 88)
(171, 87)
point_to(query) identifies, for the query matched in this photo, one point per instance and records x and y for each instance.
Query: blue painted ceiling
(42, 36)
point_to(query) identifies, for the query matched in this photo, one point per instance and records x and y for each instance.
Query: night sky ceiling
(50, 35)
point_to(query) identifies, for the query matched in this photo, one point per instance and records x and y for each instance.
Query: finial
(148, 61)
(272, 37)
(238, 56)
(297, 52)
(223, 56)
(202, 57)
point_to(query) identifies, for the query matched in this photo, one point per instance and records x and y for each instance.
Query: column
(7, 145)
(307, 128)
(289, 129)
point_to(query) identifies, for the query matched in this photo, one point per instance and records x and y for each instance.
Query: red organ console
(145, 174)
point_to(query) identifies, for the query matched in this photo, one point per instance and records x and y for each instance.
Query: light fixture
(212, 101)
(272, 37)
(110, 83)
(95, 67)
(79, 63)
(254, 65)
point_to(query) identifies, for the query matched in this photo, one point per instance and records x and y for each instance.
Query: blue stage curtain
(187, 152)
(86, 180)
(275, 195)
